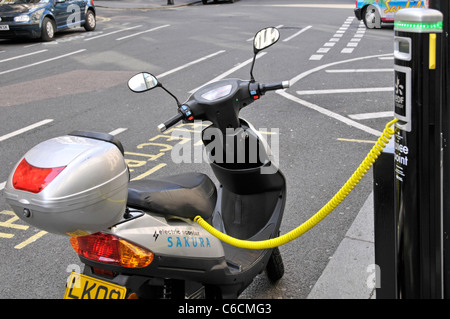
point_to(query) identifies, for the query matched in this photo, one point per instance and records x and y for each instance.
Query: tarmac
(145, 4)
(350, 271)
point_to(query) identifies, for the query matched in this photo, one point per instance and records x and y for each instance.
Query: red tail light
(34, 179)
(110, 249)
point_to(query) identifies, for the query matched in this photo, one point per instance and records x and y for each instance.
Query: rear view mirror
(265, 38)
(142, 82)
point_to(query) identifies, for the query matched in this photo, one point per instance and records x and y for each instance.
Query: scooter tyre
(275, 266)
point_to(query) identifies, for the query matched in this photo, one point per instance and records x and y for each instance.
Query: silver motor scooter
(138, 239)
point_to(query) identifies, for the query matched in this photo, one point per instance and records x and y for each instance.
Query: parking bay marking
(113, 32)
(23, 55)
(43, 61)
(139, 33)
(25, 129)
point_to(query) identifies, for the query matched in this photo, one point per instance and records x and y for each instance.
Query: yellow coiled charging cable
(322, 213)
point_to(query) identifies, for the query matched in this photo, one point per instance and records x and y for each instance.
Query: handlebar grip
(170, 122)
(274, 86)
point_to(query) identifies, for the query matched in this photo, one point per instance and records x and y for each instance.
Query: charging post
(418, 153)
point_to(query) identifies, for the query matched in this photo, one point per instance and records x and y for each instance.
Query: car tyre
(371, 17)
(91, 23)
(204, 1)
(48, 29)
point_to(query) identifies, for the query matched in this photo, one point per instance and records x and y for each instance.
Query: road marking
(332, 42)
(223, 75)
(149, 172)
(325, 66)
(329, 113)
(189, 64)
(139, 33)
(22, 56)
(359, 70)
(25, 129)
(44, 61)
(2, 185)
(356, 90)
(118, 131)
(30, 240)
(297, 33)
(374, 115)
(113, 32)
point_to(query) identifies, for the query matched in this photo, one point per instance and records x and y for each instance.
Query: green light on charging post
(418, 26)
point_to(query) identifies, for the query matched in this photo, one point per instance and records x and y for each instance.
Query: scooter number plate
(80, 286)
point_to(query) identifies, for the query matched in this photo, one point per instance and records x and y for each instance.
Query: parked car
(374, 12)
(43, 18)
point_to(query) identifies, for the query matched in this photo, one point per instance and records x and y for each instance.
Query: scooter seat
(185, 195)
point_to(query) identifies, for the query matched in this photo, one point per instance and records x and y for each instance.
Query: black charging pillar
(444, 7)
(418, 153)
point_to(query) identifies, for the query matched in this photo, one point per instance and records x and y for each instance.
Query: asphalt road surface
(324, 125)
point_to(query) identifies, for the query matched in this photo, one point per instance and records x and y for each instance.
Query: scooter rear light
(110, 249)
(34, 179)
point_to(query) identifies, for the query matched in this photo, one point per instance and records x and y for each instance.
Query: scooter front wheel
(275, 266)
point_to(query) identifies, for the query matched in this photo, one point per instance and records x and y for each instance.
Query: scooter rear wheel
(275, 266)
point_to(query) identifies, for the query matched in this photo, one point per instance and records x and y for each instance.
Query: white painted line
(359, 70)
(41, 62)
(336, 91)
(25, 129)
(324, 66)
(316, 57)
(113, 32)
(189, 64)
(352, 44)
(237, 67)
(337, 35)
(329, 113)
(323, 50)
(139, 33)
(347, 50)
(118, 131)
(297, 33)
(329, 44)
(22, 56)
(374, 115)
(334, 39)
(2, 185)
(386, 58)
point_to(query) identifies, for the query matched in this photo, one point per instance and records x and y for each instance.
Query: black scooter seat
(184, 195)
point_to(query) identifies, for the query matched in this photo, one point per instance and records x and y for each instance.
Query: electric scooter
(138, 239)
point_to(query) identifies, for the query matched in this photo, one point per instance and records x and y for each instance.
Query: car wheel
(48, 29)
(371, 17)
(204, 1)
(91, 23)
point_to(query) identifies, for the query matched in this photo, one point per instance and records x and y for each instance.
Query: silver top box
(71, 185)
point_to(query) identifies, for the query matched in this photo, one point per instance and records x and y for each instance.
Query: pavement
(350, 271)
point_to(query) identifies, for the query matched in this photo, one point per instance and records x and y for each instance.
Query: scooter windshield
(217, 93)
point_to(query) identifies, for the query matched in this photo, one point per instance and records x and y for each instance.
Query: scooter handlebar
(273, 86)
(170, 122)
